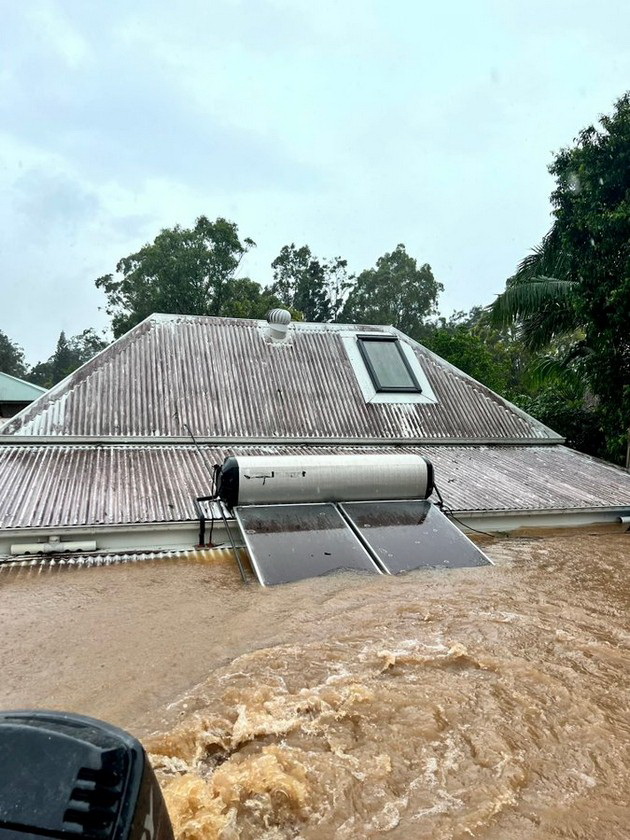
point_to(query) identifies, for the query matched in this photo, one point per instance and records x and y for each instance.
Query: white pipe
(625, 522)
(53, 547)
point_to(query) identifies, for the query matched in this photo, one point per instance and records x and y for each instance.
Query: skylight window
(387, 365)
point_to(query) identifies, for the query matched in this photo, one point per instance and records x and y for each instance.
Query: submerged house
(106, 459)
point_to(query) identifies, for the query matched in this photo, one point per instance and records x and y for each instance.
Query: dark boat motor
(68, 776)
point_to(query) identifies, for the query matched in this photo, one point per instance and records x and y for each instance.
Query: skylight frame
(362, 340)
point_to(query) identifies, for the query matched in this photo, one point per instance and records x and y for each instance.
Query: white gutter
(150, 537)
(501, 521)
(185, 535)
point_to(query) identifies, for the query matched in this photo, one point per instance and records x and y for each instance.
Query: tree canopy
(70, 353)
(575, 288)
(316, 288)
(397, 291)
(190, 271)
(11, 357)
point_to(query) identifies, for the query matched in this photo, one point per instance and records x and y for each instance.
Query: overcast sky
(349, 126)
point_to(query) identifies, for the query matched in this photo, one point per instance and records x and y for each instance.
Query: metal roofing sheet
(13, 389)
(28, 564)
(225, 378)
(56, 485)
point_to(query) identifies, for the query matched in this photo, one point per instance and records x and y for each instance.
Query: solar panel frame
(274, 553)
(387, 547)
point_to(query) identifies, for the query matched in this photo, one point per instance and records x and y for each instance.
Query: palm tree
(540, 298)
(541, 301)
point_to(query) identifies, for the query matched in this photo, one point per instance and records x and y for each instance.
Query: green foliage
(592, 211)
(184, 270)
(540, 297)
(576, 286)
(544, 306)
(567, 412)
(11, 357)
(493, 356)
(68, 356)
(316, 288)
(397, 291)
(459, 343)
(246, 299)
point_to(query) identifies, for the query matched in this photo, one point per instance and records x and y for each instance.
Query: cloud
(347, 126)
(50, 199)
(118, 113)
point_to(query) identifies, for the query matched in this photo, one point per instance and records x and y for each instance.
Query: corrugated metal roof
(73, 485)
(224, 378)
(57, 486)
(29, 564)
(13, 389)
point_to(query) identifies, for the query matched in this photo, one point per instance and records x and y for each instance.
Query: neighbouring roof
(58, 486)
(224, 379)
(17, 390)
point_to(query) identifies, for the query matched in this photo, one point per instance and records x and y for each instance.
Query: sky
(349, 126)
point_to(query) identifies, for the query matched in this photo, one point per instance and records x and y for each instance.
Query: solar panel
(411, 535)
(291, 542)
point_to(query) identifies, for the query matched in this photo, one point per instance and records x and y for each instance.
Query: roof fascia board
(183, 535)
(96, 530)
(169, 527)
(482, 514)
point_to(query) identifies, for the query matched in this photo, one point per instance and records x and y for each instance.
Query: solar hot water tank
(309, 515)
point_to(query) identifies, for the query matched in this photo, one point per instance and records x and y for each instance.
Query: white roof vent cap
(278, 320)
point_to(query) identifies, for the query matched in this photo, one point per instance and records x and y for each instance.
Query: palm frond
(557, 370)
(552, 321)
(526, 299)
(547, 259)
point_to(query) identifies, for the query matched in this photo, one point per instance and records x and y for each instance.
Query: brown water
(486, 703)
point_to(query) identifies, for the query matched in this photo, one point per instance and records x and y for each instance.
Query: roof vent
(278, 320)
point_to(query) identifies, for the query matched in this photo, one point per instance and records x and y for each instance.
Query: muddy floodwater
(488, 703)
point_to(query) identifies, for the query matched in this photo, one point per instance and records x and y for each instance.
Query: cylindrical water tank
(289, 479)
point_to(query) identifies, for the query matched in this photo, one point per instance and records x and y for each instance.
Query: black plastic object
(68, 776)
(228, 482)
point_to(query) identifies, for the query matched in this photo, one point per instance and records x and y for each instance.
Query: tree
(494, 356)
(68, 356)
(579, 284)
(11, 357)
(541, 297)
(396, 292)
(592, 217)
(316, 288)
(248, 300)
(462, 344)
(190, 271)
(565, 409)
